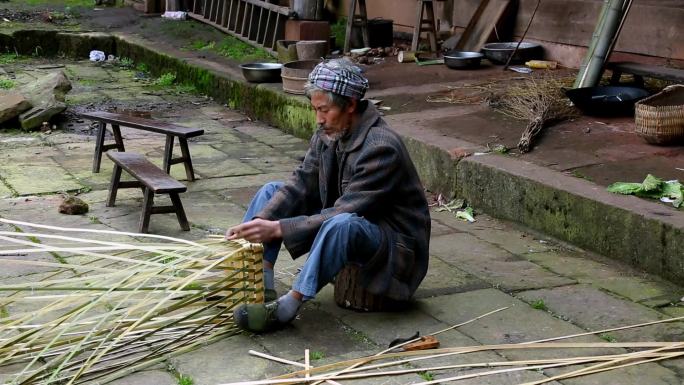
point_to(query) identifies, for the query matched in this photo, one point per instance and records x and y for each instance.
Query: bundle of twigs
(586, 364)
(541, 102)
(117, 307)
(466, 94)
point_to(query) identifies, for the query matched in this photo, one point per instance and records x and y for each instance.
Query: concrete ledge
(642, 233)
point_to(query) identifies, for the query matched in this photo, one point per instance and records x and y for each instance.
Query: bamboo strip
(481, 348)
(111, 232)
(583, 371)
(276, 359)
(608, 330)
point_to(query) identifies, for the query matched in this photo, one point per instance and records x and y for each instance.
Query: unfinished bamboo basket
(660, 118)
(116, 307)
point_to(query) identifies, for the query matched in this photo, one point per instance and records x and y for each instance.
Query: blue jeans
(339, 237)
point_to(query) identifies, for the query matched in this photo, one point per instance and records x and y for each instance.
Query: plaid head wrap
(339, 78)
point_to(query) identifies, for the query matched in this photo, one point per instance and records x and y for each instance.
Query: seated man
(355, 199)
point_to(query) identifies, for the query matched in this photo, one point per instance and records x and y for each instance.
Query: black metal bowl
(606, 100)
(499, 52)
(462, 59)
(262, 72)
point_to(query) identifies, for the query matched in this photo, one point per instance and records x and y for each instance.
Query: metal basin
(499, 52)
(261, 72)
(462, 59)
(606, 100)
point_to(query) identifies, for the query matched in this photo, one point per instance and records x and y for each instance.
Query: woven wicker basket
(660, 118)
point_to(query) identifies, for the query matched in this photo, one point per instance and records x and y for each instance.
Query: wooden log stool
(349, 294)
(425, 22)
(152, 180)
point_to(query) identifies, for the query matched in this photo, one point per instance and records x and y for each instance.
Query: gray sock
(287, 308)
(269, 279)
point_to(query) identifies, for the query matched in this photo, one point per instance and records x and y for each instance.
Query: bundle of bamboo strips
(627, 354)
(117, 307)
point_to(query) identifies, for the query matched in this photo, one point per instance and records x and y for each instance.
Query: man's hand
(256, 231)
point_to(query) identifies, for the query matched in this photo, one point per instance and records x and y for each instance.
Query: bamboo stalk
(110, 232)
(478, 348)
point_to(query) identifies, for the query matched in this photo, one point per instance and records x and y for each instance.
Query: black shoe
(257, 317)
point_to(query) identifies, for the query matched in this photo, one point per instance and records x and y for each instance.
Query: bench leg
(180, 213)
(148, 202)
(117, 138)
(187, 162)
(114, 185)
(99, 143)
(168, 154)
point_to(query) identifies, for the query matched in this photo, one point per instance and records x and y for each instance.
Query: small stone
(73, 206)
(587, 130)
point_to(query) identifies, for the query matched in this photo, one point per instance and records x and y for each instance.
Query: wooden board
(482, 24)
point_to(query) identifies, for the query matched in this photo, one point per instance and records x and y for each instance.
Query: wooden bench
(643, 70)
(170, 130)
(152, 180)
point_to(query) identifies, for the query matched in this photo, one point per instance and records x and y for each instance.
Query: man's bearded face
(330, 118)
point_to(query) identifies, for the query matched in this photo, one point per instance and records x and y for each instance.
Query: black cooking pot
(606, 100)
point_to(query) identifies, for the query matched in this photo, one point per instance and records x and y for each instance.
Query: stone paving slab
(148, 377)
(226, 167)
(493, 264)
(592, 309)
(209, 210)
(520, 323)
(272, 164)
(624, 281)
(492, 231)
(53, 179)
(4, 191)
(225, 184)
(225, 361)
(245, 150)
(443, 278)
(316, 331)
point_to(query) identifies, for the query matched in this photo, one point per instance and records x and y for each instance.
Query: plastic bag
(175, 15)
(97, 56)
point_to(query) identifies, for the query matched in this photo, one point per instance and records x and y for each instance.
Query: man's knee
(342, 219)
(270, 188)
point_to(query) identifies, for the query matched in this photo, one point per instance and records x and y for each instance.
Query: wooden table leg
(168, 154)
(187, 161)
(114, 185)
(148, 202)
(99, 143)
(350, 24)
(180, 213)
(117, 138)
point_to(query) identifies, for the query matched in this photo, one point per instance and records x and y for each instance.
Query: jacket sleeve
(299, 195)
(375, 174)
